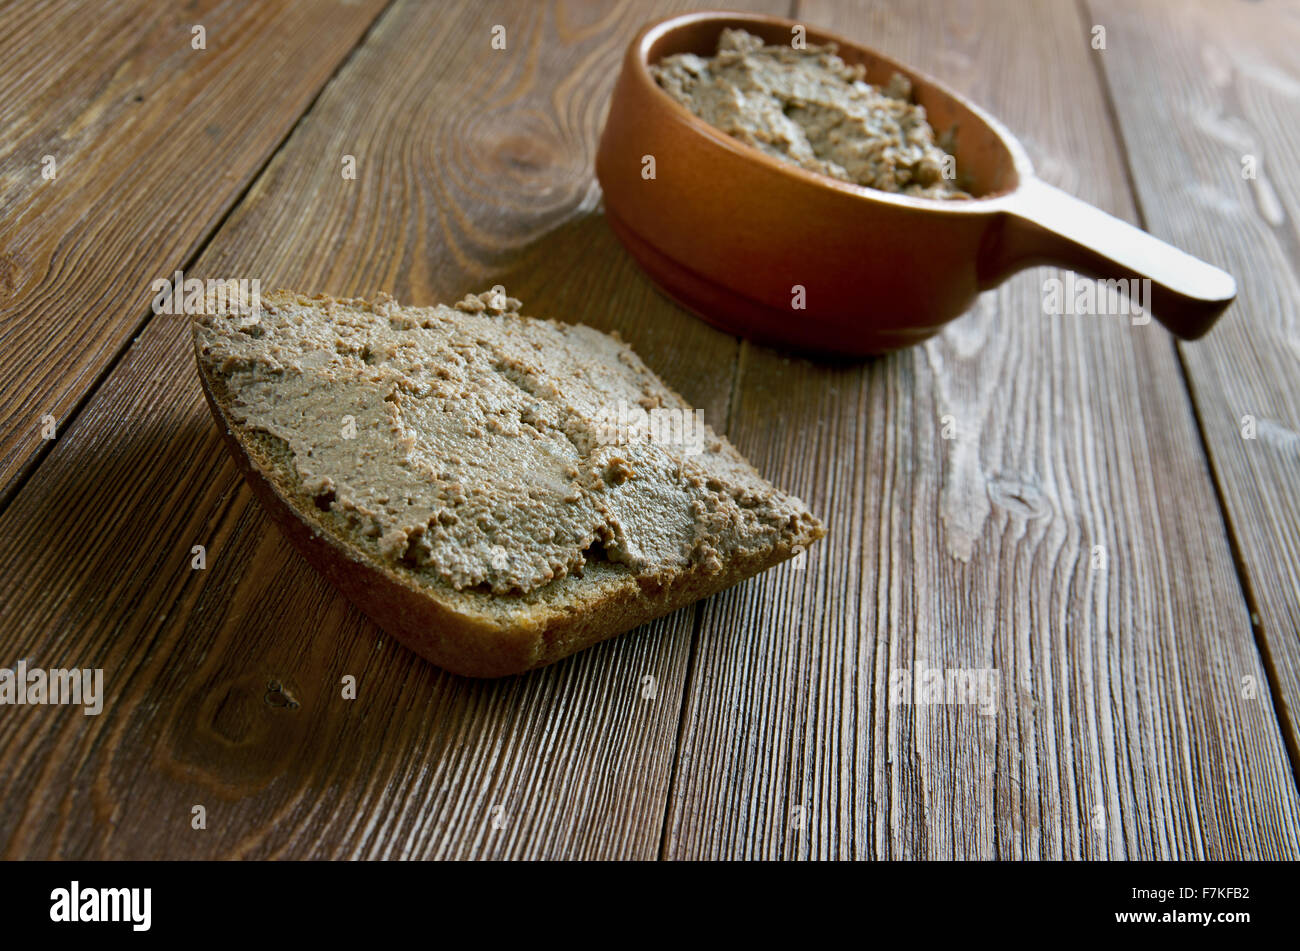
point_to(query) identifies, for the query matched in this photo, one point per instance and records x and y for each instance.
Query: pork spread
(810, 108)
(489, 449)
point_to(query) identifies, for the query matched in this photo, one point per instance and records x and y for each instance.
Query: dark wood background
(1148, 710)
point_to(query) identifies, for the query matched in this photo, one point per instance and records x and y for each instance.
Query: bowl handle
(1044, 225)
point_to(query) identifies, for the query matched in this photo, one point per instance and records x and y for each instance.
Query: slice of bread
(496, 492)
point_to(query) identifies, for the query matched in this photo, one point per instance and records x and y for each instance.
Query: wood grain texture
(152, 142)
(473, 168)
(1121, 729)
(1229, 90)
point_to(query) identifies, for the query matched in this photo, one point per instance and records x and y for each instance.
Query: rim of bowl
(652, 32)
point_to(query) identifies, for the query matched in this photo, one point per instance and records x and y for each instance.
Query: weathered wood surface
(152, 141)
(1122, 729)
(1208, 101)
(473, 168)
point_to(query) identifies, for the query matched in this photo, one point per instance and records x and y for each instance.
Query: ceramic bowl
(789, 257)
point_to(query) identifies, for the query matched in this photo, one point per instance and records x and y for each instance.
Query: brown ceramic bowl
(729, 232)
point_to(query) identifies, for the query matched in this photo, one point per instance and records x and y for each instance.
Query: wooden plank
(1121, 729)
(152, 142)
(473, 167)
(1228, 89)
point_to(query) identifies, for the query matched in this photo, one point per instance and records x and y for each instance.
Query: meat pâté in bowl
(823, 231)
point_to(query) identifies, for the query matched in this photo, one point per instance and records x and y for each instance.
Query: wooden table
(1114, 526)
